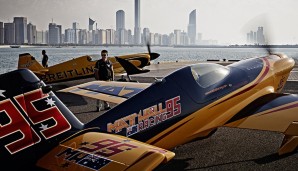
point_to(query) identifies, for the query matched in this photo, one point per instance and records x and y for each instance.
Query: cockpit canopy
(208, 74)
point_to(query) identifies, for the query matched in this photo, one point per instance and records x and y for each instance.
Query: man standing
(44, 59)
(103, 70)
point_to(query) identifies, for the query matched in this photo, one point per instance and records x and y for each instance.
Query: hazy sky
(227, 21)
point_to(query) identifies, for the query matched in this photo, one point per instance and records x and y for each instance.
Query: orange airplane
(82, 67)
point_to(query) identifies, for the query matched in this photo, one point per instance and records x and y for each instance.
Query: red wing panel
(105, 152)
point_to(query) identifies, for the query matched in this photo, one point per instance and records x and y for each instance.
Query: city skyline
(227, 21)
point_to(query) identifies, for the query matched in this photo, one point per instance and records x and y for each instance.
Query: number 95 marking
(17, 124)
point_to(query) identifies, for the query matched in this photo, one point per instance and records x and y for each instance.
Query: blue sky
(224, 20)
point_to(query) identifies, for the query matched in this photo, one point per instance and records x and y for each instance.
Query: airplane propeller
(269, 36)
(269, 48)
(153, 55)
(262, 20)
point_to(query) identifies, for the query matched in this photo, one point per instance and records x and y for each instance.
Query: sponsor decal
(27, 65)
(218, 88)
(86, 160)
(281, 83)
(100, 150)
(67, 74)
(146, 118)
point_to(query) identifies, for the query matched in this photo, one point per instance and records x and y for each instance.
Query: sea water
(9, 56)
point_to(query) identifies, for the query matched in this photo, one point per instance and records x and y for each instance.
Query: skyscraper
(120, 19)
(260, 36)
(256, 37)
(110, 36)
(129, 36)
(91, 22)
(192, 27)
(121, 33)
(54, 34)
(177, 37)
(20, 30)
(76, 27)
(9, 33)
(102, 35)
(1, 33)
(41, 37)
(137, 30)
(31, 33)
(69, 36)
(83, 36)
(61, 36)
(146, 33)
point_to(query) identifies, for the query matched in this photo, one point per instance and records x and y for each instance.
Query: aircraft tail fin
(28, 61)
(130, 68)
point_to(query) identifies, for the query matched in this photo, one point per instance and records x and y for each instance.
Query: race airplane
(38, 131)
(82, 67)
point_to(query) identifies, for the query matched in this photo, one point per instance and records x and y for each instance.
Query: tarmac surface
(226, 149)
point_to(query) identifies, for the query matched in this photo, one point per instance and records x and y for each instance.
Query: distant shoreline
(174, 46)
(237, 46)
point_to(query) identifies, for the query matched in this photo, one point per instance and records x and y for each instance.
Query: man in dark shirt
(103, 70)
(44, 59)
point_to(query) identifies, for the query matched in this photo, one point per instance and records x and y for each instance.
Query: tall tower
(121, 33)
(1, 33)
(20, 29)
(137, 30)
(54, 34)
(146, 33)
(31, 33)
(260, 36)
(192, 27)
(9, 33)
(76, 28)
(177, 34)
(91, 22)
(120, 19)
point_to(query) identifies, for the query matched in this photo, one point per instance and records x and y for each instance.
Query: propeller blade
(269, 48)
(152, 55)
(148, 47)
(262, 21)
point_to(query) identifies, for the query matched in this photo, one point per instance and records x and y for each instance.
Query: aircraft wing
(272, 112)
(91, 150)
(111, 91)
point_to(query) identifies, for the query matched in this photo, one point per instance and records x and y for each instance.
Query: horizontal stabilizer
(41, 72)
(130, 68)
(272, 112)
(100, 151)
